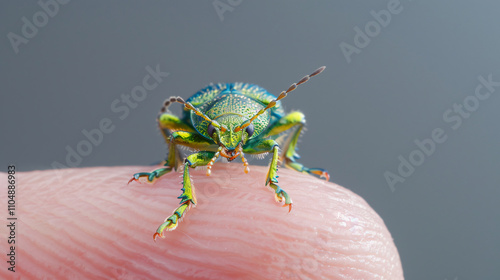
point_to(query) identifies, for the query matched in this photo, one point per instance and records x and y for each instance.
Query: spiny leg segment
(289, 156)
(168, 125)
(272, 180)
(188, 139)
(188, 197)
(151, 176)
(170, 163)
(259, 146)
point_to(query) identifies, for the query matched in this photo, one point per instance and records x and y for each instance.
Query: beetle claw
(281, 195)
(137, 177)
(150, 176)
(326, 176)
(157, 234)
(322, 173)
(133, 179)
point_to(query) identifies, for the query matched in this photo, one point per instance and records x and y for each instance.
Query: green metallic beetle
(229, 120)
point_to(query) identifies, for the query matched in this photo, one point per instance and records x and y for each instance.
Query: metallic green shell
(231, 105)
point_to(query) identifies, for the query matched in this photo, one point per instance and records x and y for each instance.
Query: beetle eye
(210, 130)
(249, 130)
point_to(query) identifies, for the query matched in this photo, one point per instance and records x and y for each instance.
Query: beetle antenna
(282, 95)
(189, 106)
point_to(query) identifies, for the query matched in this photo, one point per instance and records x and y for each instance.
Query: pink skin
(88, 223)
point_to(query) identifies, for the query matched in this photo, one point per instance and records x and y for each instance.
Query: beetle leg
(169, 124)
(272, 180)
(151, 176)
(172, 123)
(188, 197)
(289, 156)
(265, 146)
(170, 163)
(188, 139)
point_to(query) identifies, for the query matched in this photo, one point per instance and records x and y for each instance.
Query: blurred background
(405, 115)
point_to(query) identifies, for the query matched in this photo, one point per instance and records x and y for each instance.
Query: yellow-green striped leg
(153, 175)
(265, 146)
(170, 164)
(272, 180)
(289, 156)
(167, 124)
(188, 197)
(188, 139)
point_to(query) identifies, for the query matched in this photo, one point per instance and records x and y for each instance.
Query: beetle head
(228, 138)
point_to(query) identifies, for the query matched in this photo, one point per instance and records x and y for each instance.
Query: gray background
(361, 115)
